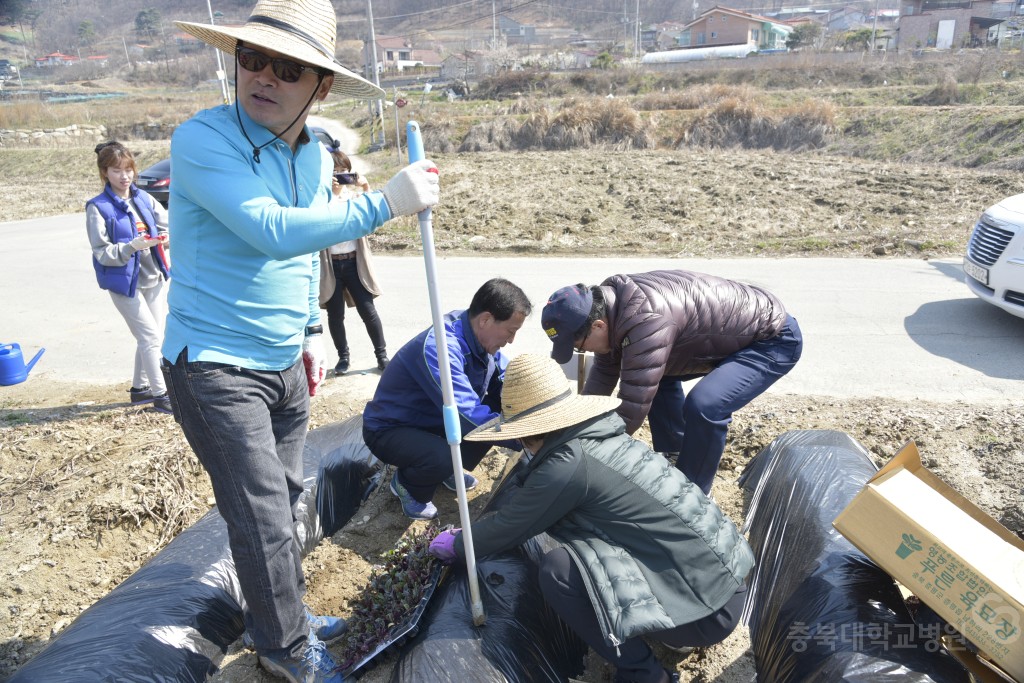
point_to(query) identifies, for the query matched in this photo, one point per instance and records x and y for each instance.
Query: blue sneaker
(412, 508)
(315, 665)
(327, 629)
(468, 478)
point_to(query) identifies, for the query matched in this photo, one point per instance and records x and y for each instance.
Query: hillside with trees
(30, 28)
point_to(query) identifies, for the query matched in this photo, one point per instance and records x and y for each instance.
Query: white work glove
(313, 358)
(143, 241)
(413, 189)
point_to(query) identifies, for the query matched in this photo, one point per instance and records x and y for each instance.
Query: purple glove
(443, 545)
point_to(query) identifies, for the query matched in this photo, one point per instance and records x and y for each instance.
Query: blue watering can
(12, 364)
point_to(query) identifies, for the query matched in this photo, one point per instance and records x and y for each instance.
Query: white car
(994, 262)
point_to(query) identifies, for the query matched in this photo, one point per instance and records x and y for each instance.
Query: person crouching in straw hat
(251, 207)
(643, 552)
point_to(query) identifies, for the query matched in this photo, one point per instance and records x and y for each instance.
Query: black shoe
(141, 396)
(162, 404)
(382, 361)
(342, 367)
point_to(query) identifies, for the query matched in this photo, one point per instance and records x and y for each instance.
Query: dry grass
(697, 97)
(71, 167)
(739, 122)
(134, 109)
(494, 135)
(579, 123)
(945, 92)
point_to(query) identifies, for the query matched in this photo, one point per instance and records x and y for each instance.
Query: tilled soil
(91, 488)
(686, 203)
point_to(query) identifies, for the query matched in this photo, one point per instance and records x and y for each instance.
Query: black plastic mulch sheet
(174, 618)
(522, 641)
(819, 610)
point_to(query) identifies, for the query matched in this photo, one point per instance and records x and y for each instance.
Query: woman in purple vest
(128, 233)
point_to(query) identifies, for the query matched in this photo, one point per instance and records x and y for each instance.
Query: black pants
(347, 275)
(564, 590)
(423, 458)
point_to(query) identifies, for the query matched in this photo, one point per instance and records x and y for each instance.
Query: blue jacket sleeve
(472, 411)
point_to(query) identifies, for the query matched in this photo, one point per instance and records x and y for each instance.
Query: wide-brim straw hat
(536, 399)
(305, 30)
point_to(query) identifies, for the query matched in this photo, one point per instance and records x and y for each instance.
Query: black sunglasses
(583, 340)
(285, 69)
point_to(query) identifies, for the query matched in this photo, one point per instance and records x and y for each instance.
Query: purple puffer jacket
(675, 323)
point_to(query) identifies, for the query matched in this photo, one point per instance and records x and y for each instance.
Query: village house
(846, 19)
(722, 26)
(56, 59)
(516, 33)
(948, 24)
(395, 53)
(464, 66)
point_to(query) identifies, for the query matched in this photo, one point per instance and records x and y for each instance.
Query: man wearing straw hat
(650, 332)
(643, 552)
(250, 206)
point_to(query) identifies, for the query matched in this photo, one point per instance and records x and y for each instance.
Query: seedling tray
(405, 629)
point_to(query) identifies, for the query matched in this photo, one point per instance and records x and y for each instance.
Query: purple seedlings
(391, 596)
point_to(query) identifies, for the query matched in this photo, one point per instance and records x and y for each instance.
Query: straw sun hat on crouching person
(536, 398)
(305, 30)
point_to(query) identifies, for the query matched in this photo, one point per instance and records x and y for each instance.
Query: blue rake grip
(414, 140)
(452, 426)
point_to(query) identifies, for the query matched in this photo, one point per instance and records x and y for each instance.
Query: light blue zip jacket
(246, 240)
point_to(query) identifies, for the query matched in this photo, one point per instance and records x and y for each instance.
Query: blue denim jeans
(695, 426)
(248, 429)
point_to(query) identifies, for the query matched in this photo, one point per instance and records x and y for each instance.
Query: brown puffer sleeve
(675, 323)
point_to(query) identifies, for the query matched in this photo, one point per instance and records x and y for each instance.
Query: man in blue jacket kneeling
(404, 425)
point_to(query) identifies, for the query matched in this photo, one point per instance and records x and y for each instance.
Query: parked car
(323, 136)
(7, 69)
(994, 262)
(156, 180)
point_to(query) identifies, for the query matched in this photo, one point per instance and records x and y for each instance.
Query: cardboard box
(943, 548)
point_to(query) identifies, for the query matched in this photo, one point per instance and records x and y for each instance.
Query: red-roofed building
(56, 59)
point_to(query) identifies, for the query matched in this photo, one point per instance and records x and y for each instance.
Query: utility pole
(221, 74)
(636, 38)
(378, 113)
(874, 27)
(494, 27)
(625, 26)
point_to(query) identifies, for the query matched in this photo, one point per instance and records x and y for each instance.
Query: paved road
(897, 328)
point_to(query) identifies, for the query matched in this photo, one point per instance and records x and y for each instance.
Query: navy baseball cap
(564, 314)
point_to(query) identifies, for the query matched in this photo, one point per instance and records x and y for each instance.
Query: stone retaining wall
(54, 137)
(51, 137)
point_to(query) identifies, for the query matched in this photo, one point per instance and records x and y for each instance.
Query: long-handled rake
(452, 428)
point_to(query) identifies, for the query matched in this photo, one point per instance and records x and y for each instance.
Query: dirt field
(91, 488)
